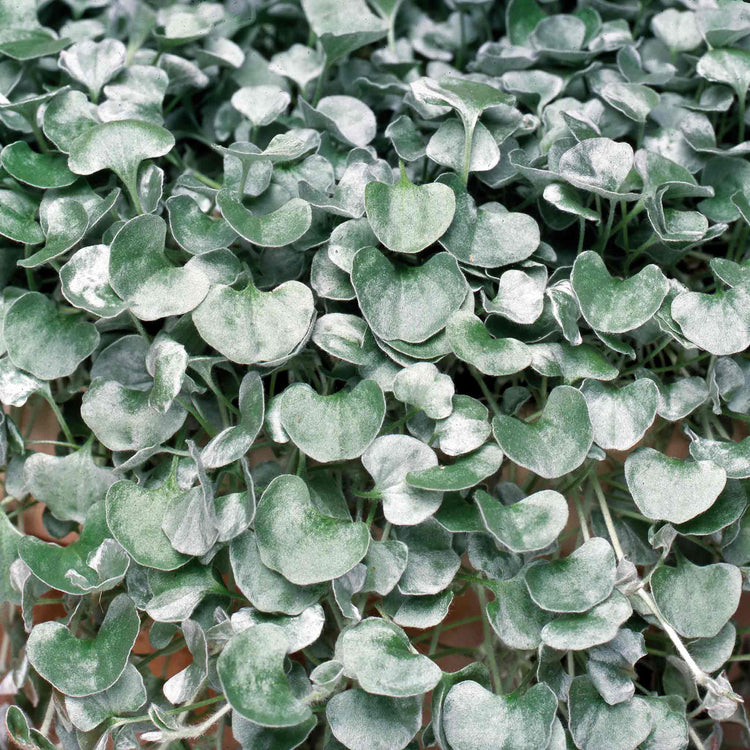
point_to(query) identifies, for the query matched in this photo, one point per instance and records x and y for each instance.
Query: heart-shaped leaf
(68, 339)
(409, 303)
(119, 146)
(251, 671)
(249, 326)
(407, 218)
(135, 516)
(58, 656)
(615, 305)
(697, 600)
(595, 724)
(556, 443)
(423, 386)
(718, 322)
(85, 282)
(576, 583)
(141, 274)
(37, 170)
(600, 166)
(472, 343)
(93, 63)
(513, 615)
(466, 472)
(93, 563)
(276, 229)
(488, 236)
(122, 419)
(336, 427)
(389, 460)
(195, 231)
(67, 485)
(530, 524)
(476, 719)
(620, 416)
(267, 590)
(671, 489)
(300, 542)
(17, 222)
(380, 657)
(361, 721)
(65, 223)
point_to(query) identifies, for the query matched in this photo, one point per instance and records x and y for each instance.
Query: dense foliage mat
(396, 356)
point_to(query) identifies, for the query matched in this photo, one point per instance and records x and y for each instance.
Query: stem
(741, 122)
(60, 419)
(697, 741)
(39, 137)
(49, 714)
(489, 646)
(468, 139)
(581, 233)
(608, 228)
(581, 517)
(319, 83)
(609, 523)
(485, 390)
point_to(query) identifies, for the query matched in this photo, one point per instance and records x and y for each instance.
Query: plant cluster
(353, 313)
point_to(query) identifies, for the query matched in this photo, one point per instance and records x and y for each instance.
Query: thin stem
(49, 714)
(489, 646)
(581, 517)
(319, 84)
(468, 139)
(608, 228)
(608, 522)
(60, 419)
(697, 741)
(741, 121)
(485, 390)
(581, 233)
(39, 136)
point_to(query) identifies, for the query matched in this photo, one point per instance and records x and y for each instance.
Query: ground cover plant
(395, 356)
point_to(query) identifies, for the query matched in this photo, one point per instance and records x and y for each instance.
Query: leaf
(634, 100)
(423, 386)
(67, 339)
(615, 305)
(407, 218)
(37, 170)
(93, 563)
(697, 600)
(557, 443)
(600, 166)
(195, 231)
(576, 632)
(343, 27)
(594, 724)
(119, 146)
(472, 343)
(122, 419)
(347, 118)
(234, 442)
(373, 722)
(17, 218)
(466, 472)
(409, 303)
(718, 322)
(733, 457)
(388, 460)
(276, 229)
(513, 615)
(431, 563)
(250, 326)
(476, 719)
(301, 543)
(672, 489)
(65, 223)
(9, 538)
(59, 657)
(127, 695)
(729, 66)
(141, 274)
(576, 583)
(379, 656)
(251, 671)
(532, 523)
(335, 427)
(93, 64)
(260, 104)
(488, 236)
(620, 416)
(67, 485)
(85, 282)
(135, 516)
(267, 590)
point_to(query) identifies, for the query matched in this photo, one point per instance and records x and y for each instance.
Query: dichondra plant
(374, 374)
